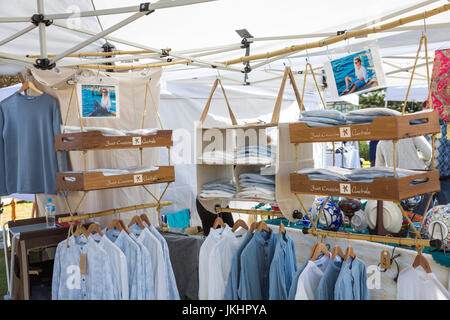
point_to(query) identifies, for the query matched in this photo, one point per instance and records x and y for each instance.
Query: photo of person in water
(99, 101)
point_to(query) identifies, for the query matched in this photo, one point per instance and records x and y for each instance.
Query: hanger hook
(218, 73)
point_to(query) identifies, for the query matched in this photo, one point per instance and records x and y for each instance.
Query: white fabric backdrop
(180, 107)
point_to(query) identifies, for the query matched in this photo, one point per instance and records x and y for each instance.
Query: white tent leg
(42, 32)
(98, 36)
(137, 45)
(17, 34)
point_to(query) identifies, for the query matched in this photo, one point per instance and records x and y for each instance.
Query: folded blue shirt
(330, 114)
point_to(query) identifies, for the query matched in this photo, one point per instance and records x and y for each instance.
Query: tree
(376, 99)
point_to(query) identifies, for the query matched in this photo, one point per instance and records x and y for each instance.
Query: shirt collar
(263, 237)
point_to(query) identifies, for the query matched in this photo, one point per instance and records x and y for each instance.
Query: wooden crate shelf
(389, 189)
(382, 128)
(95, 140)
(88, 181)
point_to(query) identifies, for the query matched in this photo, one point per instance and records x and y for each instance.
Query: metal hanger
(337, 250)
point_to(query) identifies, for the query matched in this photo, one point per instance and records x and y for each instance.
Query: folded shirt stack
(109, 131)
(223, 188)
(328, 173)
(322, 118)
(357, 175)
(255, 154)
(218, 156)
(364, 116)
(254, 185)
(114, 172)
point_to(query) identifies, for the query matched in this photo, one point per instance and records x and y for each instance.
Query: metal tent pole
(42, 33)
(17, 34)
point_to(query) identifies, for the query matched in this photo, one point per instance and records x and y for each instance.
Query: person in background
(372, 152)
(412, 153)
(442, 159)
(360, 79)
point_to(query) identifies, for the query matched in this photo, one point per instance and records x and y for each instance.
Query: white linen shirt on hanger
(153, 246)
(310, 278)
(135, 266)
(220, 260)
(118, 266)
(213, 237)
(69, 284)
(171, 282)
(416, 284)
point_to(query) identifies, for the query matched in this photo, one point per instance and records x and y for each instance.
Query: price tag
(83, 263)
(385, 259)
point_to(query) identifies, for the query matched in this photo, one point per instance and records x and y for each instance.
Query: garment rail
(114, 211)
(250, 211)
(435, 243)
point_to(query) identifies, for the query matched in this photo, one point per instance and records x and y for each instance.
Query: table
(27, 234)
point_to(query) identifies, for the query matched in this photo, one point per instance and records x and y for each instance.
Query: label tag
(345, 132)
(83, 263)
(385, 259)
(137, 141)
(138, 178)
(345, 188)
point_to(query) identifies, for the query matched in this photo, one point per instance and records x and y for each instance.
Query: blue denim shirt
(69, 284)
(255, 265)
(232, 290)
(325, 290)
(134, 261)
(171, 283)
(293, 289)
(147, 276)
(282, 268)
(351, 283)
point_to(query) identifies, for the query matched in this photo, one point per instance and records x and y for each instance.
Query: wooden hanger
(253, 226)
(318, 249)
(282, 229)
(136, 220)
(218, 222)
(94, 228)
(263, 226)
(239, 223)
(118, 225)
(337, 250)
(123, 225)
(349, 253)
(81, 230)
(29, 85)
(420, 260)
(145, 218)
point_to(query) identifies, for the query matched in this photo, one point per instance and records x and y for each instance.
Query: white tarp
(417, 94)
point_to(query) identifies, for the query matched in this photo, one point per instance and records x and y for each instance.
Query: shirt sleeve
(57, 121)
(56, 274)
(379, 156)
(424, 147)
(3, 191)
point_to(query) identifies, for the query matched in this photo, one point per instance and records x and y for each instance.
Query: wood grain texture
(95, 140)
(382, 128)
(87, 181)
(389, 189)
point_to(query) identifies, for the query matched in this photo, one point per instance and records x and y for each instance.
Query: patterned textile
(440, 84)
(442, 151)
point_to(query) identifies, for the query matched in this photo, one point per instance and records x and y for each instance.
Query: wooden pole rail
(374, 238)
(133, 67)
(100, 54)
(114, 211)
(250, 211)
(342, 37)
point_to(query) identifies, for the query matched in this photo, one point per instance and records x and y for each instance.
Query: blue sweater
(28, 161)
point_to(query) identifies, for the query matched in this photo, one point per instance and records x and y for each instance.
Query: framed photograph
(358, 72)
(98, 100)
